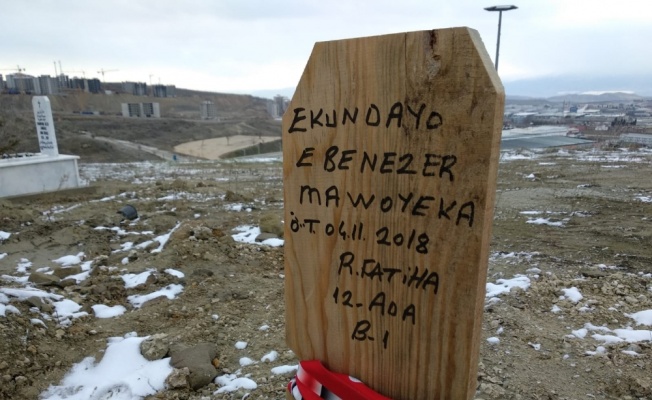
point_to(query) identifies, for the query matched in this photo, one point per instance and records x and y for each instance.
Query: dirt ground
(214, 149)
(563, 219)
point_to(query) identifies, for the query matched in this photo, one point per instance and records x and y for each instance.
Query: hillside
(624, 97)
(605, 97)
(180, 123)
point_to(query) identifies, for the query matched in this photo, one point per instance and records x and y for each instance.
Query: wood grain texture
(403, 317)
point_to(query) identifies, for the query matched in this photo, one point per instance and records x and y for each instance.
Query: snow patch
(170, 291)
(284, 369)
(545, 221)
(270, 357)
(642, 317)
(123, 373)
(572, 294)
(231, 383)
(104, 311)
(248, 234)
(134, 280)
(175, 273)
(67, 261)
(505, 285)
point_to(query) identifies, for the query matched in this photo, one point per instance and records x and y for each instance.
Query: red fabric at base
(315, 382)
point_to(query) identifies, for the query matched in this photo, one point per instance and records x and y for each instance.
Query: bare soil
(602, 248)
(216, 148)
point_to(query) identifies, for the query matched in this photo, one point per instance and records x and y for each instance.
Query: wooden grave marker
(390, 148)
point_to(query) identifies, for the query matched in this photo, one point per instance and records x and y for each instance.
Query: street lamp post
(500, 10)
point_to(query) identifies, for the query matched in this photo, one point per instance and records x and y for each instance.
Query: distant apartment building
(94, 85)
(86, 85)
(277, 106)
(45, 84)
(135, 88)
(27, 84)
(77, 84)
(20, 83)
(164, 90)
(207, 110)
(159, 91)
(63, 81)
(141, 110)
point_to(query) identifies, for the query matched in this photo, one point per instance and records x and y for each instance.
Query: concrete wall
(38, 174)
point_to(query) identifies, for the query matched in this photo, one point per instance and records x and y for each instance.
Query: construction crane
(104, 71)
(18, 69)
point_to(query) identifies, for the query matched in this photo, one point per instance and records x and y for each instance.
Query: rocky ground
(568, 224)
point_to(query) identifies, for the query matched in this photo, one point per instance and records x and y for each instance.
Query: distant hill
(517, 98)
(180, 122)
(525, 100)
(270, 94)
(546, 86)
(621, 97)
(513, 99)
(595, 98)
(185, 105)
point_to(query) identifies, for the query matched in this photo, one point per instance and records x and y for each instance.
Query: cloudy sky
(245, 46)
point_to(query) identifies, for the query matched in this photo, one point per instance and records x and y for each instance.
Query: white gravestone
(47, 139)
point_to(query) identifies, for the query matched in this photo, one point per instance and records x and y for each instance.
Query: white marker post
(47, 139)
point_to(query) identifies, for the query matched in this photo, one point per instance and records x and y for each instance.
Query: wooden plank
(390, 149)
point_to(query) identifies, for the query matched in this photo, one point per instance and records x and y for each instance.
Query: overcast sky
(251, 45)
